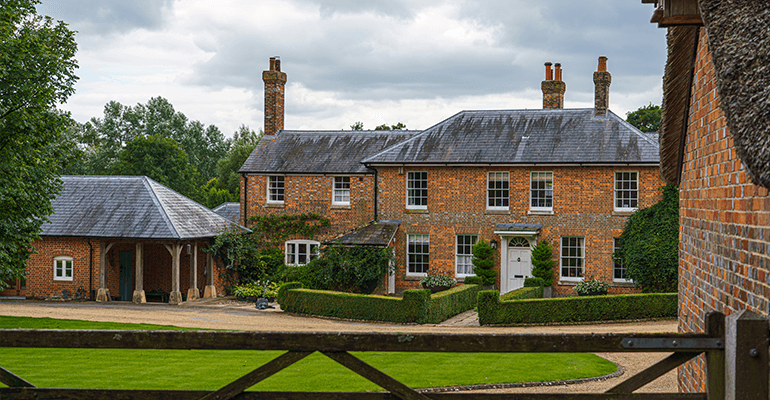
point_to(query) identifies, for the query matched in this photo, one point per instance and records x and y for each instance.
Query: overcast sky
(380, 61)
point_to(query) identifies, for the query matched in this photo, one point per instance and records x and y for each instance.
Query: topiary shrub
(484, 262)
(649, 244)
(473, 280)
(542, 262)
(534, 282)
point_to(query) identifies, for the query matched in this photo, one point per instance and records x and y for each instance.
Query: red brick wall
(156, 274)
(313, 194)
(583, 206)
(724, 221)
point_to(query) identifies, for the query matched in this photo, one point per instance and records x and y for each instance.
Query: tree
(384, 127)
(160, 159)
(484, 262)
(646, 118)
(37, 72)
(542, 263)
(357, 126)
(649, 244)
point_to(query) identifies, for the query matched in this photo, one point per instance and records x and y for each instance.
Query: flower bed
(416, 306)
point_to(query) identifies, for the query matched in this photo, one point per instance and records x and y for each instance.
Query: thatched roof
(739, 41)
(677, 81)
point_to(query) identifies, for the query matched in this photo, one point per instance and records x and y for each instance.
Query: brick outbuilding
(110, 237)
(514, 177)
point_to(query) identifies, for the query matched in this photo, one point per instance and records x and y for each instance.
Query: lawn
(209, 370)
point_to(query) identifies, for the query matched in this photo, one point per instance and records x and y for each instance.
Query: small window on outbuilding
(62, 268)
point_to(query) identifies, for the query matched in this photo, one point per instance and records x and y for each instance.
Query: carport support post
(176, 296)
(192, 292)
(138, 296)
(210, 291)
(102, 293)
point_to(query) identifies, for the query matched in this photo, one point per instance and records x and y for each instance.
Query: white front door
(519, 263)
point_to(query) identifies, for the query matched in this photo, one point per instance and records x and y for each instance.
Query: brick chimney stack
(602, 80)
(553, 89)
(275, 80)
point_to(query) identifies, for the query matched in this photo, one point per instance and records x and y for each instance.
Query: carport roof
(134, 207)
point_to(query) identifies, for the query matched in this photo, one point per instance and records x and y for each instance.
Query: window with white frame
(417, 189)
(275, 189)
(618, 269)
(498, 189)
(62, 268)
(626, 190)
(300, 252)
(541, 191)
(341, 195)
(417, 254)
(572, 257)
(464, 255)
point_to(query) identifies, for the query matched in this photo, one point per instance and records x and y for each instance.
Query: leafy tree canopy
(646, 118)
(37, 72)
(227, 184)
(359, 126)
(649, 244)
(160, 159)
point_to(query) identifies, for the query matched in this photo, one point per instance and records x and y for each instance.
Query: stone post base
(139, 297)
(101, 295)
(175, 298)
(210, 291)
(193, 294)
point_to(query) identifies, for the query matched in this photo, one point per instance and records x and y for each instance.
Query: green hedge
(535, 292)
(574, 309)
(416, 306)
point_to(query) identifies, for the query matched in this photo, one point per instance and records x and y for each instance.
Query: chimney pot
(548, 72)
(558, 71)
(602, 64)
(272, 63)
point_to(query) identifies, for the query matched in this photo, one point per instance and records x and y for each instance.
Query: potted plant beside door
(542, 266)
(484, 263)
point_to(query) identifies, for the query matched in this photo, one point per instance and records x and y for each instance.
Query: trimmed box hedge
(416, 305)
(574, 309)
(534, 292)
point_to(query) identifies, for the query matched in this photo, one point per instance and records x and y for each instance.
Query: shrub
(649, 244)
(256, 289)
(484, 262)
(356, 269)
(416, 306)
(473, 280)
(542, 263)
(574, 309)
(436, 279)
(534, 282)
(535, 292)
(592, 287)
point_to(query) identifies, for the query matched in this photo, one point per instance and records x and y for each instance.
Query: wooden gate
(736, 355)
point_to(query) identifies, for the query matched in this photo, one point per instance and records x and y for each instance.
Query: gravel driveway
(227, 314)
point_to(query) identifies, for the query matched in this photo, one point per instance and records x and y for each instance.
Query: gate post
(715, 359)
(746, 357)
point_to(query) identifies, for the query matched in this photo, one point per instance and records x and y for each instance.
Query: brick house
(110, 237)
(567, 176)
(715, 136)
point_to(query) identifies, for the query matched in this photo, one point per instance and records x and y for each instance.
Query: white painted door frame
(504, 239)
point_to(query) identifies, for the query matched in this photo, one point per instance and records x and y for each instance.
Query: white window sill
(274, 204)
(570, 281)
(62, 279)
(497, 211)
(540, 212)
(623, 211)
(623, 282)
(341, 206)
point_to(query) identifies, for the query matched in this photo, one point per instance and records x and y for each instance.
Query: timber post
(138, 296)
(102, 294)
(746, 356)
(175, 297)
(210, 291)
(192, 292)
(715, 359)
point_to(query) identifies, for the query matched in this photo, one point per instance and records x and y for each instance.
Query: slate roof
(551, 136)
(134, 207)
(229, 211)
(319, 151)
(375, 234)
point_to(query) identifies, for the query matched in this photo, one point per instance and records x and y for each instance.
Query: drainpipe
(376, 189)
(245, 196)
(90, 268)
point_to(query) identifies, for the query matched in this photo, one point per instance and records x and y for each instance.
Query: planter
(436, 289)
(249, 299)
(547, 292)
(488, 287)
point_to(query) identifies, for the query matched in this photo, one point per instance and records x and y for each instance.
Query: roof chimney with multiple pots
(553, 89)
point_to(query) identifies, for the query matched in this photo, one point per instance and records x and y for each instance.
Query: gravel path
(227, 314)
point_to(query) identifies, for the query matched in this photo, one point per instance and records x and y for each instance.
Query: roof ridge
(148, 183)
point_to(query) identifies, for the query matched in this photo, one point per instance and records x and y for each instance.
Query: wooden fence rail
(739, 352)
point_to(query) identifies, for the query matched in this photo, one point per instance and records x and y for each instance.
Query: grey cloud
(102, 17)
(391, 8)
(345, 60)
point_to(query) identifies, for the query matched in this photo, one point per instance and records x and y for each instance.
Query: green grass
(209, 370)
